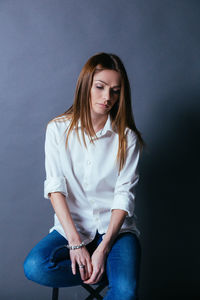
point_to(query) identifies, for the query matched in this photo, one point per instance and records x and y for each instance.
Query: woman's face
(105, 91)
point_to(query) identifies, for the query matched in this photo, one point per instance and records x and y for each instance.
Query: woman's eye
(99, 87)
(116, 92)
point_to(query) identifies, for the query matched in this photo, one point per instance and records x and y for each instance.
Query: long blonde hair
(121, 113)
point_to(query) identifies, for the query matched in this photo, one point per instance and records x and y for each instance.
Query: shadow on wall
(171, 204)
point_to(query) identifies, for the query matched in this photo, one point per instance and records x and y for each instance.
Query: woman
(91, 158)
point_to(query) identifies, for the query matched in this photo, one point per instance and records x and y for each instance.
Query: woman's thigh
(123, 266)
(48, 263)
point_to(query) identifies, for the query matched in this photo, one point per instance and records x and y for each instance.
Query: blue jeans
(48, 263)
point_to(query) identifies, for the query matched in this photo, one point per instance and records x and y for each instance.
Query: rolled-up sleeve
(124, 194)
(55, 180)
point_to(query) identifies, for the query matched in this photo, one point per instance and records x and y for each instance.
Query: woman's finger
(96, 277)
(99, 276)
(82, 270)
(73, 266)
(85, 268)
(93, 277)
(89, 268)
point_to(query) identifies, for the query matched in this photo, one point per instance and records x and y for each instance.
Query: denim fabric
(48, 263)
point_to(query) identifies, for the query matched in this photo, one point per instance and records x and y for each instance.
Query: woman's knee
(33, 266)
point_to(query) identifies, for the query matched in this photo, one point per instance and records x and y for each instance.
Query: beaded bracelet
(76, 246)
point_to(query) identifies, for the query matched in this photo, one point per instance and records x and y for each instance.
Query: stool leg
(94, 292)
(55, 293)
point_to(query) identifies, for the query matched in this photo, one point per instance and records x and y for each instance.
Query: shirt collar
(107, 127)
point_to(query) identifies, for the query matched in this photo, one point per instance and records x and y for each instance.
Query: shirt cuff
(123, 202)
(55, 184)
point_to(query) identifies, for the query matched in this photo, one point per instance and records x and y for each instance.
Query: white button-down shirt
(89, 178)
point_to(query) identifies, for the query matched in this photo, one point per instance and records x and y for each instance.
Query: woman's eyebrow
(107, 84)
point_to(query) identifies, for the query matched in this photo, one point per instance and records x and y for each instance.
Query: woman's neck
(98, 122)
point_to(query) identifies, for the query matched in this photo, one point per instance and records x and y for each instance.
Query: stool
(94, 292)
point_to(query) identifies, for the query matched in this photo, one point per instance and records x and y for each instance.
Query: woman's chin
(100, 112)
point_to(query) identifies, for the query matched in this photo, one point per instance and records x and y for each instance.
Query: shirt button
(89, 162)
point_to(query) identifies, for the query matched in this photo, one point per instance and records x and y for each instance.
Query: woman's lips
(103, 105)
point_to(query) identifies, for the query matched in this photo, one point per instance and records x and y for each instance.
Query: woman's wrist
(73, 238)
(74, 247)
(74, 241)
(104, 247)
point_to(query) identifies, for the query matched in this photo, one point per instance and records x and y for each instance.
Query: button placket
(87, 176)
(88, 167)
(88, 162)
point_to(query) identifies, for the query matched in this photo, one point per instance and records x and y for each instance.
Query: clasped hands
(91, 268)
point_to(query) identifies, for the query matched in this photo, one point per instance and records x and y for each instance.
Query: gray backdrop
(44, 44)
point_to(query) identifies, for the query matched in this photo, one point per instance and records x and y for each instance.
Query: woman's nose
(107, 95)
